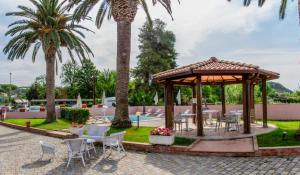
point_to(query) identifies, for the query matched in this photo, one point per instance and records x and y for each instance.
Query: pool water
(133, 118)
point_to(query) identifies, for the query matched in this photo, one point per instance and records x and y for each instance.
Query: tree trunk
(121, 119)
(50, 85)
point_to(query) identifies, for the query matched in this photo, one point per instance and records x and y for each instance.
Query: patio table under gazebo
(215, 72)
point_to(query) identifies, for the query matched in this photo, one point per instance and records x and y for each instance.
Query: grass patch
(42, 124)
(181, 141)
(274, 138)
(133, 134)
(141, 135)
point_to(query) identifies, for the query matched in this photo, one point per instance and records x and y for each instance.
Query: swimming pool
(133, 118)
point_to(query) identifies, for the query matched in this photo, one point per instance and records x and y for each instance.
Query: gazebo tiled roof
(213, 71)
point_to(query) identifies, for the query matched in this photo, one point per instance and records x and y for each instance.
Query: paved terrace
(19, 152)
(210, 131)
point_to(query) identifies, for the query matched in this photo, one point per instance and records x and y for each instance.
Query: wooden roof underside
(214, 71)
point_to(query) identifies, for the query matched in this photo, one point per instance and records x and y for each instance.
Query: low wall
(279, 151)
(275, 111)
(29, 114)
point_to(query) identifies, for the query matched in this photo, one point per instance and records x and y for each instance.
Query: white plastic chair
(232, 119)
(76, 149)
(186, 111)
(149, 112)
(89, 145)
(77, 131)
(96, 132)
(157, 112)
(114, 141)
(178, 120)
(47, 148)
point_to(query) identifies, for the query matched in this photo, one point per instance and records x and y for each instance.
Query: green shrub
(77, 115)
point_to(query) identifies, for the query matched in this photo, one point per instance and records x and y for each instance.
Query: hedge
(77, 115)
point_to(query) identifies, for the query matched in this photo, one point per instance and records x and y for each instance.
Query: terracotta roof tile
(215, 65)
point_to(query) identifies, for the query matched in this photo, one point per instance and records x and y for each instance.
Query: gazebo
(215, 72)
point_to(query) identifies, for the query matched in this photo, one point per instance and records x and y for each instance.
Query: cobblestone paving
(20, 151)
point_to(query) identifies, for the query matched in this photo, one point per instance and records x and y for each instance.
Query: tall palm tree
(123, 12)
(47, 26)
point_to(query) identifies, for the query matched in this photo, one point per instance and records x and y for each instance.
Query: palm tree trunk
(121, 119)
(50, 85)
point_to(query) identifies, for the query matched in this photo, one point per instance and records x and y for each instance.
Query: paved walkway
(244, 145)
(19, 152)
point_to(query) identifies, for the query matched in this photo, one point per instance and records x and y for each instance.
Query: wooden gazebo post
(246, 104)
(223, 99)
(169, 104)
(252, 102)
(194, 105)
(264, 102)
(199, 107)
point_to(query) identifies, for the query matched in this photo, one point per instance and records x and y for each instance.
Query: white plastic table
(210, 114)
(187, 116)
(236, 114)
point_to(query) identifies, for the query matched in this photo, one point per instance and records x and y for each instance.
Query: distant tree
(212, 94)
(233, 94)
(157, 53)
(68, 75)
(79, 79)
(38, 89)
(68, 78)
(106, 81)
(85, 78)
(157, 50)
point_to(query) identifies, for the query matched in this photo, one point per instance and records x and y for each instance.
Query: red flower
(161, 131)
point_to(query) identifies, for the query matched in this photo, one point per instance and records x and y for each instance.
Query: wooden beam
(199, 107)
(265, 103)
(246, 104)
(223, 100)
(236, 78)
(194, 105)
(169, 105)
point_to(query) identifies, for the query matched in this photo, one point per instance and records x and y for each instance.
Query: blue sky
(203, 29)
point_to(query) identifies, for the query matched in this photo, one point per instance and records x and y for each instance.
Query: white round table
(210, 114)
(187, 116)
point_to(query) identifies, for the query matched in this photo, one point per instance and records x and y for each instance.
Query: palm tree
(123, 12)
(46, 26)
(282, 9)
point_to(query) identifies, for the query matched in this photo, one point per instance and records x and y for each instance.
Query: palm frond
(47, 26)
(282, 9)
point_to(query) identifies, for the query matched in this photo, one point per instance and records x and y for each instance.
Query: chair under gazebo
(216, 72)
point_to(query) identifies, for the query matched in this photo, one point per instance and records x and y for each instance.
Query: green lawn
(141, 135)
(42, 124)
(275, 138)
(133, 134)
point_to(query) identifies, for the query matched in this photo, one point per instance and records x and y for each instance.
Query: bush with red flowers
(161, 132)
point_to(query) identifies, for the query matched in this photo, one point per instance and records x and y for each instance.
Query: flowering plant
(161, 132)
